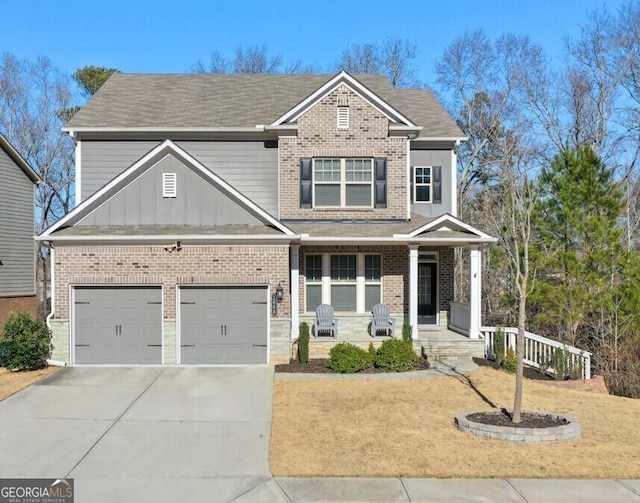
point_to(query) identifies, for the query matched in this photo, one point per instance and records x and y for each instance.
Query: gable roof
(143, 165)
(19, 160)
(238, 102)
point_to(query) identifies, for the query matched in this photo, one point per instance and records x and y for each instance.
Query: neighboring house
(201, 197)
(17, 248)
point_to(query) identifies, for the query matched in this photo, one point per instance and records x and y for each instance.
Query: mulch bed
(528, 372)
(319, 366)
(527, 419)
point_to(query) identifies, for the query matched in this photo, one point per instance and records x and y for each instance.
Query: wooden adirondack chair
(382, 322)
(325, 322)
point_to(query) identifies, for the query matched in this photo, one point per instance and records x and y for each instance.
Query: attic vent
(169, 185)
(343, 117)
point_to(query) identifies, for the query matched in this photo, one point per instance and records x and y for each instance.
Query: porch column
(295, 297)
(413, 289)
(475, 294)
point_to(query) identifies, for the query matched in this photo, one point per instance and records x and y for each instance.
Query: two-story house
(17, 251)
(216, 212)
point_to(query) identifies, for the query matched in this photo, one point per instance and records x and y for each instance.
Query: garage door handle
(154, 345)
(187, 303)
(187, 345)
(83, 345)
(264, 303)
(259, 345)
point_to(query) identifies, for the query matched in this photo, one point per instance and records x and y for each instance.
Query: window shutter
(437, 184)
(305, 182)
(411, 176)
(380, 164)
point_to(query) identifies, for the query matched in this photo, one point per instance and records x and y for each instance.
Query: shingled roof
(185, 101)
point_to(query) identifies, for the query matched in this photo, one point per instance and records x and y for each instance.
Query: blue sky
(170, 36)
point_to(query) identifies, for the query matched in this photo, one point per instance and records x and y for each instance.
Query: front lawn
(12, 382)
(391, 428)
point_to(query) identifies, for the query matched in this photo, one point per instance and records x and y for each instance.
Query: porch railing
(459, 317)
(538, 350)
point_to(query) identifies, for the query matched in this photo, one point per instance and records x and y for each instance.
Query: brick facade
(395, 273)
(319, 136)
(152, 265)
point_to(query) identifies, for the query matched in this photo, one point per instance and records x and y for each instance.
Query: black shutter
(437, 184)
(305, 182)
(411, 175)
(380, 164)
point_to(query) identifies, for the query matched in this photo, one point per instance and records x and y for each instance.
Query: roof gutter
(73, 130)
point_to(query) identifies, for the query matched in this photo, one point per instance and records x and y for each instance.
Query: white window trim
(343, 182)
(415, 185)
(360, 283)
(169, 185)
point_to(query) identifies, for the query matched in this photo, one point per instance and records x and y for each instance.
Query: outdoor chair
(325, 322)
(382, 322)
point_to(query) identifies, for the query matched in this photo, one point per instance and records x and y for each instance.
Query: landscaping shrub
(396, 356)
(346, 358)
(372, 353)
(303, 343)
(406, 331)
(510, 363)
(562, 364)
(26, 344)
(498, 346)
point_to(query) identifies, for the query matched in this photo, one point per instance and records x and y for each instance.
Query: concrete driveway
(144, 434)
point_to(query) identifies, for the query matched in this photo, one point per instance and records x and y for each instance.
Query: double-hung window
(422, 184)
(343, 182)
(349, 282)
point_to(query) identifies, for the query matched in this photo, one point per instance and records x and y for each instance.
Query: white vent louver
(169, 185)
(343, 117)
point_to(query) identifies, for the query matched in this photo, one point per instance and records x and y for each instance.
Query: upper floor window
(422, 184)
(343, 117)
(343, 182)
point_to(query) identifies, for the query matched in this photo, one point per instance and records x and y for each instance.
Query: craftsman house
(217, 212)
(17, 251)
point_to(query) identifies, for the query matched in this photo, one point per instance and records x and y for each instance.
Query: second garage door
(223, 325)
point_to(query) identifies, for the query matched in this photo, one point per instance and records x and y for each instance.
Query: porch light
(279, 292)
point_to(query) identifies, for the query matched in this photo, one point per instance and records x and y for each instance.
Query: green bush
(510, 363)
(407, 330)
(26, 344)
(372, 353)
(498, 346)
(396, 356)
(346, 358)
(303, 343)
(562, 364)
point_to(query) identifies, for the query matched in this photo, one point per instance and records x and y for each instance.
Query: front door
(427, 288)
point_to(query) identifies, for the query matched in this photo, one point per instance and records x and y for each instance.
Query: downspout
(54, 363)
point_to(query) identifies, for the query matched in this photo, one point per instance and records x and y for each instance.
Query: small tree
(303, 343)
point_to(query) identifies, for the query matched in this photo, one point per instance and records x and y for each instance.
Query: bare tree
(33, 99)
(393, 58)
(252, 59)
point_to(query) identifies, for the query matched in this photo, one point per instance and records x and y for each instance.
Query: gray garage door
(223, 325)
(118, 325)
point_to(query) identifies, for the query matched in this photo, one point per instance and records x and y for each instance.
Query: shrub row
(25, 344)
(393, 355)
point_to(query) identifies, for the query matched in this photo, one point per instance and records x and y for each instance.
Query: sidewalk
(347, 490)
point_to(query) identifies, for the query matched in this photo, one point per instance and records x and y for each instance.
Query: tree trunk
(520, 343)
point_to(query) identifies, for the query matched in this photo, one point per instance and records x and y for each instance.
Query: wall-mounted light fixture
(279, 292)
(276, 298)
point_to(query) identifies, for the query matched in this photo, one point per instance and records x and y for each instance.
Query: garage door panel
(223, 325)
(118, 325)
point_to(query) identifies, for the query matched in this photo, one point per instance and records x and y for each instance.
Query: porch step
(440, 348)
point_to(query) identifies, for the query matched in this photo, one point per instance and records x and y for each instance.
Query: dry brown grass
(12, 382)
(388, 428)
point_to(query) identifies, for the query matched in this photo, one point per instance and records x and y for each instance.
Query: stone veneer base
(568, 431)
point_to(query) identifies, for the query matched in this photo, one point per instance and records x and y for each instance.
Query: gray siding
(197, 201)
(102, 161)
(248, 166)
(434, 158)
(16, 230)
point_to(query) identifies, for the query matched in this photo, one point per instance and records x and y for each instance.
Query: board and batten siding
(17, 249)
(196, 202)
(251, 167)
(434, 158)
